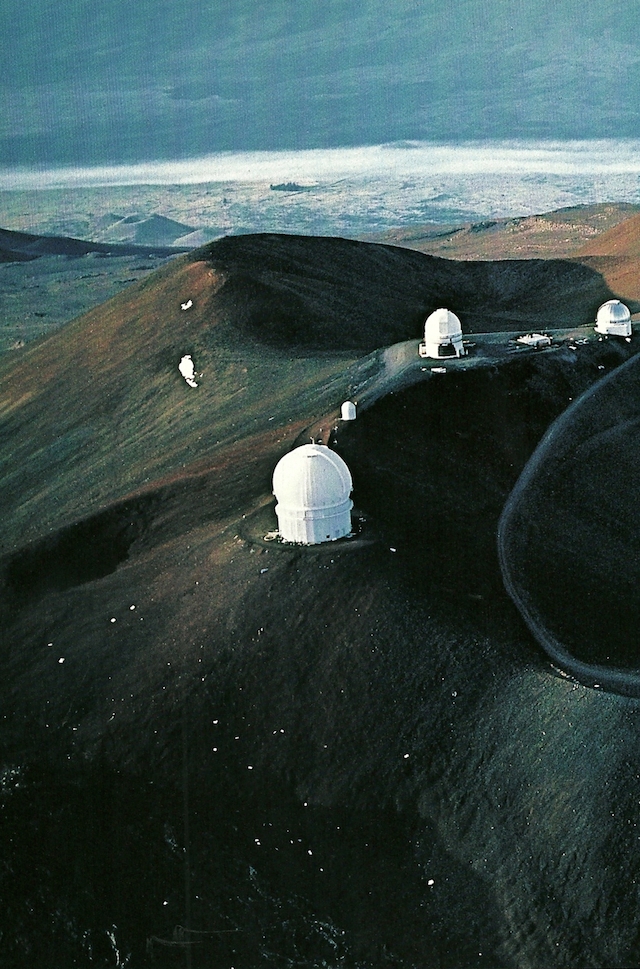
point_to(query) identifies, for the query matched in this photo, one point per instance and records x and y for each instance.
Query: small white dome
(348, 411)
(442, 335)
(312, 485)
(614, 317)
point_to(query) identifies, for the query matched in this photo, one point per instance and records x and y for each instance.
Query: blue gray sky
(117, 81)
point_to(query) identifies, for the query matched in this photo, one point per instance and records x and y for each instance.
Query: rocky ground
(219, 750)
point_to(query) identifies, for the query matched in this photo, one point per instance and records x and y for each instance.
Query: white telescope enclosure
(614, 319)
(442, 335)
(312, 485)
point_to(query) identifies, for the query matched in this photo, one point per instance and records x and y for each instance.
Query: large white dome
(441, 325)
(312, 485)
(614, 317)
(614, 311)
(442, 335)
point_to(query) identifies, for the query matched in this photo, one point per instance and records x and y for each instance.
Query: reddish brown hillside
(551, 235)
(616, 255)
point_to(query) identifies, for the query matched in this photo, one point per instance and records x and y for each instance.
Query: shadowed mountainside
(338, 293)
(353, 753)
(262, 308)
(570, 542)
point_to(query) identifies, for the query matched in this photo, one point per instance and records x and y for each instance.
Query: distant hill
(260, 75)
(339, 294)
(616, 254)
(23, 246)
(561, 233)
(154, 230)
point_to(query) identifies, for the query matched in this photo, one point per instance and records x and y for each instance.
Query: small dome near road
(442, 335)
(312, 485)
(348, 411)
(614, 319)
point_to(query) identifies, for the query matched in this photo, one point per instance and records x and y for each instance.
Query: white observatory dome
(312, 485)
(614, 319)
(348, 411)
(442, 335)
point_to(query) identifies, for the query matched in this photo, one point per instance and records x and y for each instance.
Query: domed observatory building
(614, 319)
(442, 335)
(348, 411)
(312, 485)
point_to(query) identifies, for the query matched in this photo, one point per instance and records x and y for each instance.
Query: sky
(86, 83)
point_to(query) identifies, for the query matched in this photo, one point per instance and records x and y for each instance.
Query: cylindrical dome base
(314, 528)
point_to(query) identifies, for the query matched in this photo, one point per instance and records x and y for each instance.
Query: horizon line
(402, 158)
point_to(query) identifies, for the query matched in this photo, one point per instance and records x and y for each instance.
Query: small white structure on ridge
(535, 340)
(614, 319)
(187, 370)
(442, 335)
(312, 485)
(348, 411)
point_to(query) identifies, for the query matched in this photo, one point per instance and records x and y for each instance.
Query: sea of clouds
(371, 188)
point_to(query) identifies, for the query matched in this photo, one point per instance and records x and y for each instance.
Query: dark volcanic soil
(220, 751)
(325, 293)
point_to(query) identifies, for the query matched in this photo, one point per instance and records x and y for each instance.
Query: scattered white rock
(187, 370)
(187, 305)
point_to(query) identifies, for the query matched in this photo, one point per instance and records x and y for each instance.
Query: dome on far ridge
(442, 335)
(613, 318)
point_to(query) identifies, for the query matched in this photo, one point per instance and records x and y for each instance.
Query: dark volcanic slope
(346, 755)
(571, 544)
(22, 247)
(109, 404)
(339, 293)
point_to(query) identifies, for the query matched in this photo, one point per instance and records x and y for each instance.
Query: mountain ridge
(350, 752)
